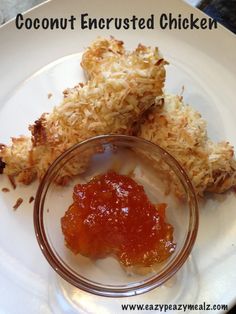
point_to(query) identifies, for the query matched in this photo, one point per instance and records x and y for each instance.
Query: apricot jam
(111, 215)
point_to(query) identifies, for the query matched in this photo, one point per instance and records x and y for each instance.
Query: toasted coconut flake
(18, 203)
(31, 199)
(5, 190)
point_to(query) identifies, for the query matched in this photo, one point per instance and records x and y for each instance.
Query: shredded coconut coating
(121, 87)
(180, 130)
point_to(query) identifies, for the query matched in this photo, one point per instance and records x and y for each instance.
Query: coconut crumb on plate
(19, 201)
(31, 199)
(5, 190)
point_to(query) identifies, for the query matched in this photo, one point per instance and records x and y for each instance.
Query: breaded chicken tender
(180, 130)
(121, 87)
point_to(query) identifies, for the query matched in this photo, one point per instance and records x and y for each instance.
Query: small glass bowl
(147, 164)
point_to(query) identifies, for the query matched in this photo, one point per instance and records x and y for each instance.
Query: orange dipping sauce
(111, 215)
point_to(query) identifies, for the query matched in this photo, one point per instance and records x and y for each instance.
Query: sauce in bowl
(112, 215)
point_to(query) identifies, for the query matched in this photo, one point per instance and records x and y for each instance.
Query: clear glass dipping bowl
(149, 165)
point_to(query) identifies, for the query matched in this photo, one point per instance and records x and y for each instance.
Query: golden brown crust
(38, 131)
(101, 51)
(2, 165)
(122, 86)
(180, 130)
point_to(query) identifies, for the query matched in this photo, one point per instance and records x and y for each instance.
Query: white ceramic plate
(35, 63)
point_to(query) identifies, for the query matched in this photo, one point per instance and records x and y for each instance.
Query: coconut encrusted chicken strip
(121, 86)
(180, 130)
